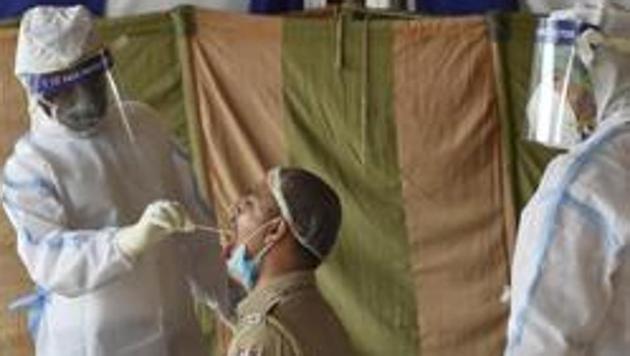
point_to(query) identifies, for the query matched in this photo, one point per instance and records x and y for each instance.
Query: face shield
(81, 96)
(561, 111)
(61, 61)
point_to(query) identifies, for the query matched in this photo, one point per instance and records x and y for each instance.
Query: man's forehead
(261, 189)
(262, 193)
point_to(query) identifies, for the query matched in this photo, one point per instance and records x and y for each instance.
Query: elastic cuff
(129, 261)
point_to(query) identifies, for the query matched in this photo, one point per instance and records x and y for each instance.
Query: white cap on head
(54, 38)
(275, 185)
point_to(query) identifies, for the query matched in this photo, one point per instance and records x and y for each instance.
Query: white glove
(160, 219)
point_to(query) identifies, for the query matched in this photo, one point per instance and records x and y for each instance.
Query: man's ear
(276, 231)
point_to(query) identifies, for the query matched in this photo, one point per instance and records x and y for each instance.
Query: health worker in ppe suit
(284, 230)
(99, 197)
(571, 269)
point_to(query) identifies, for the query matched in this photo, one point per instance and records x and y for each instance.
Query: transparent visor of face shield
(81, 96)
(561, 111)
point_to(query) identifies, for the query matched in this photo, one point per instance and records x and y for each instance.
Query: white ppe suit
(67, 194)
(571, 269)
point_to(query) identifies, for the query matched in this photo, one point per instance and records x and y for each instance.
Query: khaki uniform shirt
(288, 317)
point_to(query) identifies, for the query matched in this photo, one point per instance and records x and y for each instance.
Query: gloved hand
(160, 219)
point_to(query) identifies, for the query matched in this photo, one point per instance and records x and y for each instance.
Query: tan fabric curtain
(236, 81)
(236, 66)
(14, 281)
(449, 151)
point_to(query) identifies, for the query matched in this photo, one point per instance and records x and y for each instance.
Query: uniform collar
(261, 300)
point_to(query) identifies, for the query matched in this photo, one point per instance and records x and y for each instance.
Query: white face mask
(84, 112)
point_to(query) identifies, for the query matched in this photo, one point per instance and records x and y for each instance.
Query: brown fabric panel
(14, 281)
(449, 149)
(237, 67)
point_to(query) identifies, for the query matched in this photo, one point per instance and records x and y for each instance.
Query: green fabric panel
(183, 21)
(147, 65)
(367, 278)
(515, 35)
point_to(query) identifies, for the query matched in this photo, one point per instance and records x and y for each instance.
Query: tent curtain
(449, 148)
(414, 121)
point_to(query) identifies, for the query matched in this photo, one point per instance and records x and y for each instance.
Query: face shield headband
(50, 83)
(276, 191)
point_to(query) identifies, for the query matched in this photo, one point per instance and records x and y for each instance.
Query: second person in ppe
(571, 270)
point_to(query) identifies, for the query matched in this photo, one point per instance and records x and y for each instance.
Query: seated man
(283, 231)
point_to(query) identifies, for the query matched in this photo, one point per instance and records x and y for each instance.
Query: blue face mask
(245, 269)
(242, 268)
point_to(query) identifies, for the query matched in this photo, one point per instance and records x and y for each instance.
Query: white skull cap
(275, 186)
(54, 38)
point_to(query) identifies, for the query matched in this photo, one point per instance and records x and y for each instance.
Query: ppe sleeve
(207, 272)
(61, 260)
(562, 278)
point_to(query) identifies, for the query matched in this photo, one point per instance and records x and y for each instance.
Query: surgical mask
(76, 97)
(243, 268)
(82, 109)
